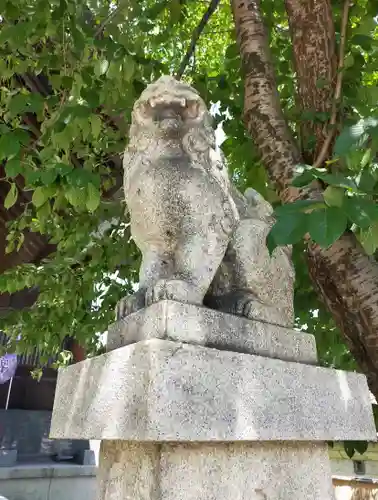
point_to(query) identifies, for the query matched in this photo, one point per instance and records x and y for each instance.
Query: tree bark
(314, 46)
(345, 277)
(347, 280)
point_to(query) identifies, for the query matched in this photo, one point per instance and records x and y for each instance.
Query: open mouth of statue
(168, 114)
(175, 111)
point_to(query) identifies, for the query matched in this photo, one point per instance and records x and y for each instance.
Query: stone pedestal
(182, 416)
(214, 471)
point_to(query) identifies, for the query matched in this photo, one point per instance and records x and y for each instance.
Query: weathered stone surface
(166, 391)
(202, 326)
(249, 282)
(242, 471)
(198, 235)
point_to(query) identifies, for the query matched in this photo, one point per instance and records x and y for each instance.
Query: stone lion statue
(202, 241)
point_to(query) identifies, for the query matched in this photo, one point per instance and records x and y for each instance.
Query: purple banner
(8, 367)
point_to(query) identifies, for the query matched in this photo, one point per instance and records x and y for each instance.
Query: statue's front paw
(178, 290)
(257, 310)
(130, 304)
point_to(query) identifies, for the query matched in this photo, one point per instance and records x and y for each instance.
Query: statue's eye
(146, 109)
(192, 109)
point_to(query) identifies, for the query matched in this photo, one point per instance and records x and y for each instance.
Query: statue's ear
(264, 209)
(253, 196)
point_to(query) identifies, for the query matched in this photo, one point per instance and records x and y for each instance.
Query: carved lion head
(169, 108)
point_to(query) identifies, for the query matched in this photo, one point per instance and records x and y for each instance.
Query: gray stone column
(195, 404)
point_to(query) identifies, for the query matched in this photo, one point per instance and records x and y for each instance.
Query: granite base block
(159, 390)
(169, 320)
(241, 471)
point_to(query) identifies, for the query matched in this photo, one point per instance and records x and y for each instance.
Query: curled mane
(197, 138)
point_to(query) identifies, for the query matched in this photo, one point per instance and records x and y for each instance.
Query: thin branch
(106, 21)
(326, 144)
(195, 36)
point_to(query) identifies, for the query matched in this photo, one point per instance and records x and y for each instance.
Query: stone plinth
(168, 320)
(237, 471)
(181, 420)
(158, 390)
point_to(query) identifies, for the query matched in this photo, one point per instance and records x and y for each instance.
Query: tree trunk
(347, 280)
(314, 46)
(344, 275)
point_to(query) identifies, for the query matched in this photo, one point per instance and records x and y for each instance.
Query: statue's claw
(130, 304)
(178, 290)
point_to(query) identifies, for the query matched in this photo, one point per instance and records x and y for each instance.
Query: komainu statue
(202, 241)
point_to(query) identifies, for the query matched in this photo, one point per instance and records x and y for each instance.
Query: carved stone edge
(169, 320)
(164, 391)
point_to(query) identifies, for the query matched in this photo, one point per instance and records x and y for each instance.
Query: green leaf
(349, 448)
(96, 125)
(366, 158)
(175, 10)
(85, 127)
(369, 238)
(62, 139)
(40, 196)
(305, 174)
(82, 177)
(32, 176)
(361, 446)
(9, 146)
(13, 167)
(154, 11)
(365, 41)
(349, 139)
(75, 196)
(303, 179)
(354, 136)
(11, 196)
(81, 111)
(101, 67)
(63, 169)
(297, 206)
(18, 104)
(327, 225)
(336, 180)
(288, 229)
(232, 51)
(349, 61)
(93, 197)
(91, 96)
(48, 176)
(56, 80)
(361, 211)
(367, 24)
(21, 136)
(129, 69)
(334, 196)
(367, 180)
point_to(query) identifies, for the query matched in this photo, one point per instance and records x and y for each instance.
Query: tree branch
(100, 29)
(263, 115)
(312, 33)
(326, 144)
(195, 36)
